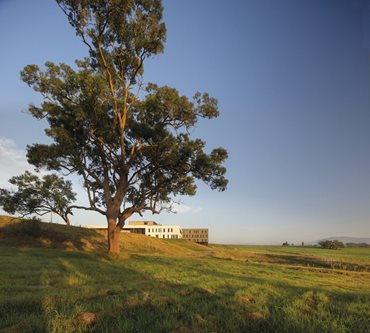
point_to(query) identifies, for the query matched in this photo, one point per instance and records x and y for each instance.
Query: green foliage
(167, 163)
(331, 244)
(124, 32)
(38, 196)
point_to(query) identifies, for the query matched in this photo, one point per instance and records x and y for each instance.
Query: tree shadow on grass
(25, 316)
(20, 311)
(298, 260)
(123, 298)
(149, 304)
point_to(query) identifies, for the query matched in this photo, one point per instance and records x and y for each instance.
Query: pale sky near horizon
(293, 82)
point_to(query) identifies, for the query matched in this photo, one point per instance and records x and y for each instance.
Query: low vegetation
(60, 280)
(331, 244)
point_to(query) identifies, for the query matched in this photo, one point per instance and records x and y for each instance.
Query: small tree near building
(38, 196)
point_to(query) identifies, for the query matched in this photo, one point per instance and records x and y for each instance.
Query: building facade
(153, 229)
(197, 235)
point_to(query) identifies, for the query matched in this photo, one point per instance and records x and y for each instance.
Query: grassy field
(58, 279)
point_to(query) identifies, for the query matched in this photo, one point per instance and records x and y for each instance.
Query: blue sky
(293, 82)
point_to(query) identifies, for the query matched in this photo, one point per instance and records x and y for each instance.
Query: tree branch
(95, 209)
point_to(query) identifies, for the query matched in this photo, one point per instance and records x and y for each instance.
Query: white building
(153, 229)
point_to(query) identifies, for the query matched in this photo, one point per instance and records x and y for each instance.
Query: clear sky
(293, 82)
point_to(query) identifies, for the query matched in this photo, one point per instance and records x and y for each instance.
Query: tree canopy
(331, 244)
(129, 142)
(34, 195)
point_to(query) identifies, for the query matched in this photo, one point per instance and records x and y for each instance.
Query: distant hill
(346, 239)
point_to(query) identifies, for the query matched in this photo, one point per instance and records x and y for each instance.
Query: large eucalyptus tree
(133, 150)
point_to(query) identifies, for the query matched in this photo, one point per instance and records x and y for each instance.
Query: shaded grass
(31, 233)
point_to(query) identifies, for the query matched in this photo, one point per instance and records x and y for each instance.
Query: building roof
(143, 223)
(194, 229)
(140, 226)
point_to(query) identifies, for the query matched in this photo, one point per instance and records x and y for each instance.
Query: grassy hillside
(175, 286)
(15, 232)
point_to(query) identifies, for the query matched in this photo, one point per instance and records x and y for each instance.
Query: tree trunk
(66, 219)
(113, 236)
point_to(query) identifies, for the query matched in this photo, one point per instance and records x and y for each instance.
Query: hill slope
(28, 233)
(32, 234)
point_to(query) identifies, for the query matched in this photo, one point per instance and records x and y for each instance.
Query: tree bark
(113, 236)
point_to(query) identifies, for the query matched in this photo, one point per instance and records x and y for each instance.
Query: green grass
(177, 286)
